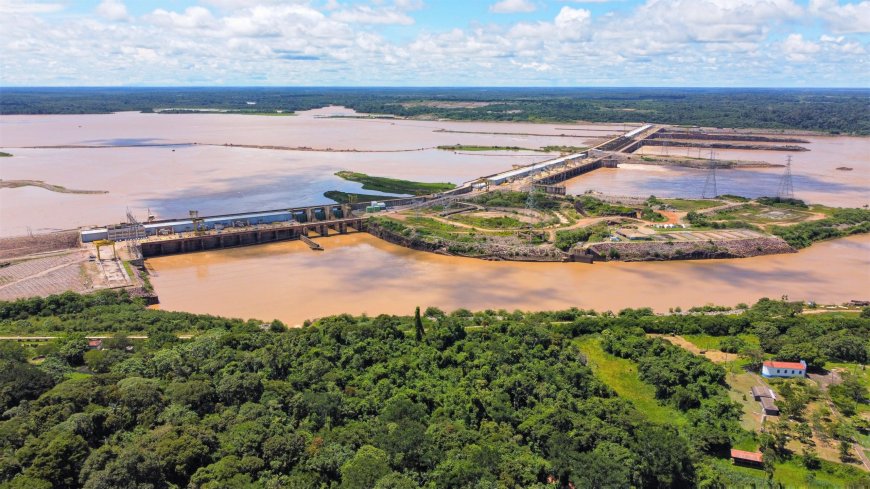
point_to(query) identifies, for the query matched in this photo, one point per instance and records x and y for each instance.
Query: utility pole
(786, 187)
(710, 191)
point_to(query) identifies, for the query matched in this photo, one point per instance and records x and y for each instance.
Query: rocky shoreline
(483, 251)
(669, 250)
(621, 251)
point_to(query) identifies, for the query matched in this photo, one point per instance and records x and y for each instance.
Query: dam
(195, 233)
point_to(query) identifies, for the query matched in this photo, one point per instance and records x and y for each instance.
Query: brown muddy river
(216, 179)
(362, 274)
(814, 174)
(190, 168)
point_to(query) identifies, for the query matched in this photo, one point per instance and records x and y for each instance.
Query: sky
(721, 43)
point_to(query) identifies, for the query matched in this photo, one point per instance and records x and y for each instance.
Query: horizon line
(500, 87)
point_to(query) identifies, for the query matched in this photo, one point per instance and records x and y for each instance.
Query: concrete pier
(244, 236)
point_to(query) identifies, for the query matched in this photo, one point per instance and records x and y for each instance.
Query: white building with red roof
(772, 368)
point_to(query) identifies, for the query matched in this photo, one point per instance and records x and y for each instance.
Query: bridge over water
(162, 237)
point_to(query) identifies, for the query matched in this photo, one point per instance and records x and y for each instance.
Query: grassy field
(501, 222)
(691, 204)
(792, 474)
(345, 197)
(708, 342)
(740, 385)
(861, 373)
(621, 375)
(433, 227)
(393, 185)
(563, 149)
(763, 214)
(471, 147)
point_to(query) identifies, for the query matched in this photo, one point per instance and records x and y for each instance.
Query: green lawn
(394, 185)
(501, 222)
(792, 474)
(471, 147)
(345, 197)
(434, 227)
(709, 342)
(621, 375)
(691, 204)
(863, 375)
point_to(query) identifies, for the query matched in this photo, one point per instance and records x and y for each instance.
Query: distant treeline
(829, 110)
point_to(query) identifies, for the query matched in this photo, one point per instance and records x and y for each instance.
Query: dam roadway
(213, 239)
(167, 237)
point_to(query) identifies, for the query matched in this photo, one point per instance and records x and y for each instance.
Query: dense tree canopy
(489, 399)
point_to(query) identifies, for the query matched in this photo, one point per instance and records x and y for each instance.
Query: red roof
(773, 364)
(744, 455)
(95, 342)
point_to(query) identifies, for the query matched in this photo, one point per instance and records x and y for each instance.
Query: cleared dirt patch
(19, 246)
(714, 356)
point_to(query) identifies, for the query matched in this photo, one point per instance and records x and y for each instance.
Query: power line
(786, 185)
(710, 188)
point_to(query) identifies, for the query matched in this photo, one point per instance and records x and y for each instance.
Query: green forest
(491, 399)
(830, 110)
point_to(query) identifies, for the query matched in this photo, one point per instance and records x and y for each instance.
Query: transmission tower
(710, 191)
(135, 232)
(786, 188)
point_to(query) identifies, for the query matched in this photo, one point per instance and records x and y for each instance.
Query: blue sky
(780, 43)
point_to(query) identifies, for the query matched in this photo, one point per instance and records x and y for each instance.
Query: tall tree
(418, 324)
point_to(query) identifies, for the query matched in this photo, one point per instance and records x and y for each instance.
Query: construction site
(47, 264)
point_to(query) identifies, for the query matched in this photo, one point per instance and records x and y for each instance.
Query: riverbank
(46, 186)
(663, 251)
(522, 226)
(360, 273)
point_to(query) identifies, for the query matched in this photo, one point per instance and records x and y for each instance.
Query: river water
(362, 274)
(217, 179)
(815, 175)
(358, 273)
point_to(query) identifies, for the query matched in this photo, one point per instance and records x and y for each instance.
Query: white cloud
(677, 42)
(408, 5)
(533, 65)
(797, 49)
(572, 17)
(19, 7)
(193, 17)
(363, 14)
(512, 7)
(847, 18)
(113, 10)
(827, 38)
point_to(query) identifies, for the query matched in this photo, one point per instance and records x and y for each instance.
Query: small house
(95, 344)
(747, 458)
(769, 406)
(766, 397)
(759, 391)
(784, 369)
